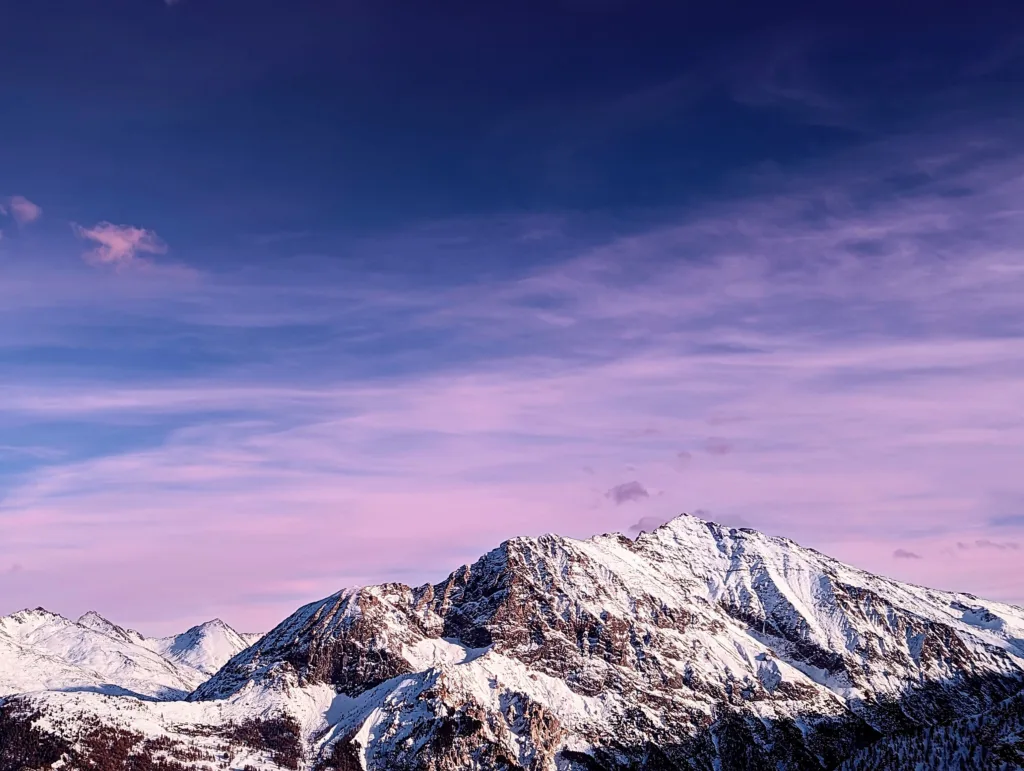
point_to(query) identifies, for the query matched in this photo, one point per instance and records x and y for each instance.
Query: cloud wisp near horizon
(836, 358)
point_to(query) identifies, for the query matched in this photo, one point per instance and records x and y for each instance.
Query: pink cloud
(119, 245)
(906, 554)
(626, 492)
(21, 209)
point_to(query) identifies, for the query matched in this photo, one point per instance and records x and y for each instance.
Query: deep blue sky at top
(217, 121)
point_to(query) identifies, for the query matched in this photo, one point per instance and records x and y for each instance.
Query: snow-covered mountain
(40, 650)
(204, 648)
(693, 647)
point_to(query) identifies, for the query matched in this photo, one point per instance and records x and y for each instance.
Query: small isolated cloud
(119, 244)
(904, 554)
(647, 524)
(21, 209)
(716, 445)
(15, 568)
(985, 543)
(683, 459)
(626, 492)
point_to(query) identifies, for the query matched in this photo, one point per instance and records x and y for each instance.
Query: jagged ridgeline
(694, 647)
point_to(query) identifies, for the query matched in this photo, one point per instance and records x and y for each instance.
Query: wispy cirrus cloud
(987, 543)
(119, 245)
(863, 319)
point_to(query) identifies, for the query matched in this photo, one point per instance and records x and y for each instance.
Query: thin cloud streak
(986, 543)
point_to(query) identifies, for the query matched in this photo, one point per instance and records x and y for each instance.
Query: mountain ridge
(97, 654)
(694, 646)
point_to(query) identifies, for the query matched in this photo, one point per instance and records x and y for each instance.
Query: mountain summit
(695, 646)
(204, 648)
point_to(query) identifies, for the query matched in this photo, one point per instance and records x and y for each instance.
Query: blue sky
(299, 295)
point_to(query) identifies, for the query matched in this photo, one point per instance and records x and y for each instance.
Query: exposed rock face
(693, 647)
(351, 640)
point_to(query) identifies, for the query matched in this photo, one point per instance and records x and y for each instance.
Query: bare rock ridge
(695, 646)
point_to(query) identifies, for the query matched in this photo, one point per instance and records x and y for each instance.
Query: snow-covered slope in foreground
(693, 647)
(40, 650)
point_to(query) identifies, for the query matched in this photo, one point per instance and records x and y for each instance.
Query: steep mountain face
(693, 647)
(40, 650)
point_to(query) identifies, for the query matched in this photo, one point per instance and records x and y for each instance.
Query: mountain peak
(205, 647)
(97, 623)
(687, 620)
(31, 618)
(37, 612)
(694, 641)
(94, 620)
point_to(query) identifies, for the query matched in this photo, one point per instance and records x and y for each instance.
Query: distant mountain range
(42, 651)
(694, 646)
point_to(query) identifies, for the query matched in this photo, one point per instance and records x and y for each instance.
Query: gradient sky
(302, 294)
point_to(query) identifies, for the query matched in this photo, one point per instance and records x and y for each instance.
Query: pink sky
(854, 381)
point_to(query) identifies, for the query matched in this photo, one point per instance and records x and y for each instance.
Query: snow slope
(40, 650)
(692, 647)
(204, 648)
